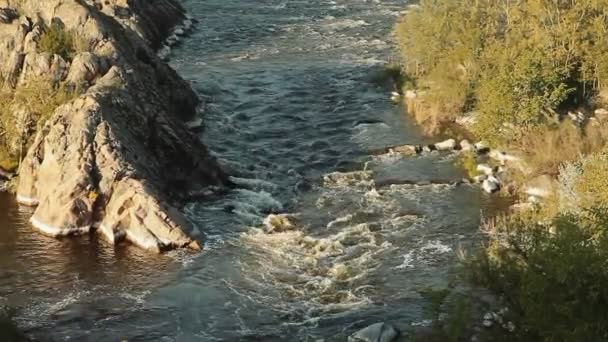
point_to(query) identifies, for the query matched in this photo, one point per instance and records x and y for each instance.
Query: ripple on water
(285, 84)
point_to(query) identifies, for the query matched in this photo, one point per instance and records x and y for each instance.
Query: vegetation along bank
(530, 80)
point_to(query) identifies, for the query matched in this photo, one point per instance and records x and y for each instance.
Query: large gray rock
(119, 158)
(378, 332)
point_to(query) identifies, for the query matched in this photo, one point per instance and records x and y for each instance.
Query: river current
(295, 100)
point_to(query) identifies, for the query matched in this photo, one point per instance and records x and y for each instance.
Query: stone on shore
(485, 169)
(491, 185)
(465, 146)
(446, 145)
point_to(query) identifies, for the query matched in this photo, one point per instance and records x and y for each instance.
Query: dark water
(294, 103)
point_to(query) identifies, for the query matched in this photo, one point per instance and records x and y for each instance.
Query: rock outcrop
(119, 158)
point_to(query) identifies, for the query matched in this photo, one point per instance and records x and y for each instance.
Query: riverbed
(295, 98)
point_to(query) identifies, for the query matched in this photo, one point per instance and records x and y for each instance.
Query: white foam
(25, 200)
(436, 247)
(147, 242)
(342, 219)
(346, 24)
(66, 301)
(388, 158)
(254, 183)
(423, 323)
(262, 201)
(408, 261)
(56, 231)
(164, 52)
(347, 179)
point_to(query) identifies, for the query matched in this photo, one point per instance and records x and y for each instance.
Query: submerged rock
(378, 332)
(278, 223)
(119, 158)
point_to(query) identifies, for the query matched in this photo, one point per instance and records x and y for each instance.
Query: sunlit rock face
(118, 158)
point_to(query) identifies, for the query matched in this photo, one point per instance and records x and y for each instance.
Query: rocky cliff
(118, 158)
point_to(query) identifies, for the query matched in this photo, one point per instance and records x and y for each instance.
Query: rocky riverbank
(118, 158)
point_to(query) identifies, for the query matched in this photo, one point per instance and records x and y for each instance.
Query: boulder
(485, 169)
(7, 15)
(491, 185)
(406, 149)
(446, 145)
(481, 147)
(503, 157)
(480, 178)
(84, 69)
(378, 332)
(465, 145)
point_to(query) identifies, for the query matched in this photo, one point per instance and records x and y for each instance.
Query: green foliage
(554, 275)
(513, 62)
(56, 40)
(451, 313)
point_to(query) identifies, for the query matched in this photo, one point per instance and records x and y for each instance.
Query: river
(294, 102)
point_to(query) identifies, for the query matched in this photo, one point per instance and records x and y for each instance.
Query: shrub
(23, 111)
(584, 184)
(57, 40)
(554, 275)
(468, 162)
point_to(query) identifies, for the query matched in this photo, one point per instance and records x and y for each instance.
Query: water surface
(294, 102)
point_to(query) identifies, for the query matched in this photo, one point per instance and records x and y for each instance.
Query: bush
(554, 276)
(584, 184)
(515, 63)
(56, 40)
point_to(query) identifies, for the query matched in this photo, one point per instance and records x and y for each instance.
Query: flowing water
(294, 102)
